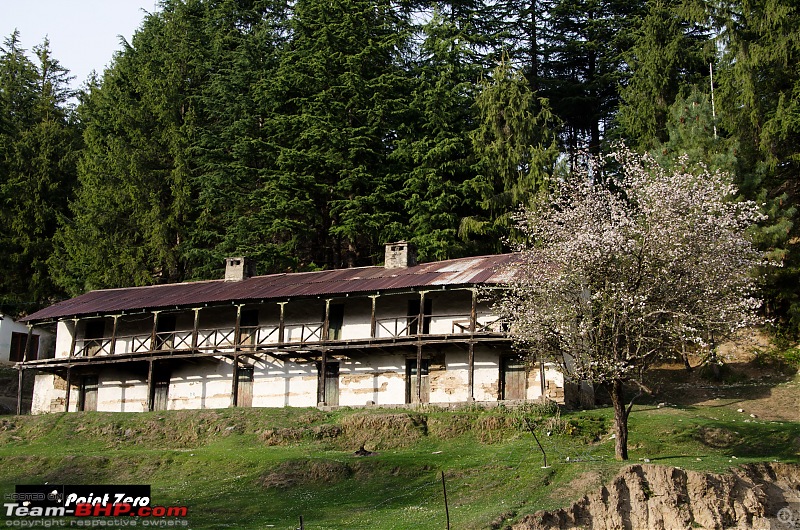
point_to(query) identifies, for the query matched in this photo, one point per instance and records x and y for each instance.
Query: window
(18, 341)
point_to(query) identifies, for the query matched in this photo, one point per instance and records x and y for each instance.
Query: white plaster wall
(450, 306)
(44, 393)
(284, 384)
(380, 380)
(357, 318)
(200, 386)
(64, 331)
(451, 385)
(118, 391)
(487, 374)
(552, 376)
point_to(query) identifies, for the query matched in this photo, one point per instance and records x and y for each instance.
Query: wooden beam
(420, 329)
(282, 323)
(27, 352)
(69, 389)
(237, 329)
(473, 313)
(19, 390)
(326, 324)
(153, 334)
(150, 396)
(323, 375)
(113, 346)
(195, 327)
(235, 384)
(373, 323)
(471, 369)
(74, 337)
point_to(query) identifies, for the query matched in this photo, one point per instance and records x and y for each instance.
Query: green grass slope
(264, 468)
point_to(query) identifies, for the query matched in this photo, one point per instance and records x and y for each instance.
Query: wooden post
(27, 352)
(473, 313)
(113, 346)
(542, 381)
(326, 324)
(471, 368)
(19, 390)
(421, 317)
(282, 323)
(153, 337)
(237, 329)
(74, 340)
(323, 375)
(373, 323)
(69, 388)
(235, 385)
(150, 386)
(195, 327)
(473, 317)
(419, 344)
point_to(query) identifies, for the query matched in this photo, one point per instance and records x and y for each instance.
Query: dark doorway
(93, 337)
(248, 327)
(335, 321)
(165, 332)
(413, 316)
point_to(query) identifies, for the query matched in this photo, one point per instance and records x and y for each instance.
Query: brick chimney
(238, 269)
(400, 255)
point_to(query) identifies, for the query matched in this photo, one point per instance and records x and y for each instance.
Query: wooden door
(244, 386)
(330, 394)
(412, 396)
(161, 378)
(513, 378)
(88, 393)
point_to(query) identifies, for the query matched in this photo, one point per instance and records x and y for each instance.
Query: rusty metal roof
(482, 270)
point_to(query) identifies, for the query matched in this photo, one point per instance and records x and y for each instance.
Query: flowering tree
(619, 273)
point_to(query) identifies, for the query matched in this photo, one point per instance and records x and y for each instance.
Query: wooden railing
(253, 337)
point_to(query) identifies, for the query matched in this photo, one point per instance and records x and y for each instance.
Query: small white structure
(391, 335)
(14, 339)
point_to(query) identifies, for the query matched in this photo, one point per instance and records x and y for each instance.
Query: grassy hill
(263, 468)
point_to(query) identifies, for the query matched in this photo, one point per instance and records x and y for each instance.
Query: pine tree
(759, 78)
(671, 51)
(516, 149)
(39, 142)
(339, 88)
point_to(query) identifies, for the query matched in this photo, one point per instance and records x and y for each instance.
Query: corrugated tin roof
(463, 271)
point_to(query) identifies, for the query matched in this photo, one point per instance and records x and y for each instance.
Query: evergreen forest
(305, 134)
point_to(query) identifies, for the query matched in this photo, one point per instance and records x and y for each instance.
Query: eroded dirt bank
(666, 498)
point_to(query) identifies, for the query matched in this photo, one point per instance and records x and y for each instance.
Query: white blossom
(621, 273)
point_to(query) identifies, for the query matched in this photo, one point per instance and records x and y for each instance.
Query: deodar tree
(622, 270)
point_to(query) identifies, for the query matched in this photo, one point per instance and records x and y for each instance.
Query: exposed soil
(666, 498)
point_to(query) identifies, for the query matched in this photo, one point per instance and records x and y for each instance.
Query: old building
(401, 333)
(14, 340)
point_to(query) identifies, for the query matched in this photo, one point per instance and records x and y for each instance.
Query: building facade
(392, 335)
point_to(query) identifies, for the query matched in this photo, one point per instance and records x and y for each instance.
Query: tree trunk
(620, 420)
